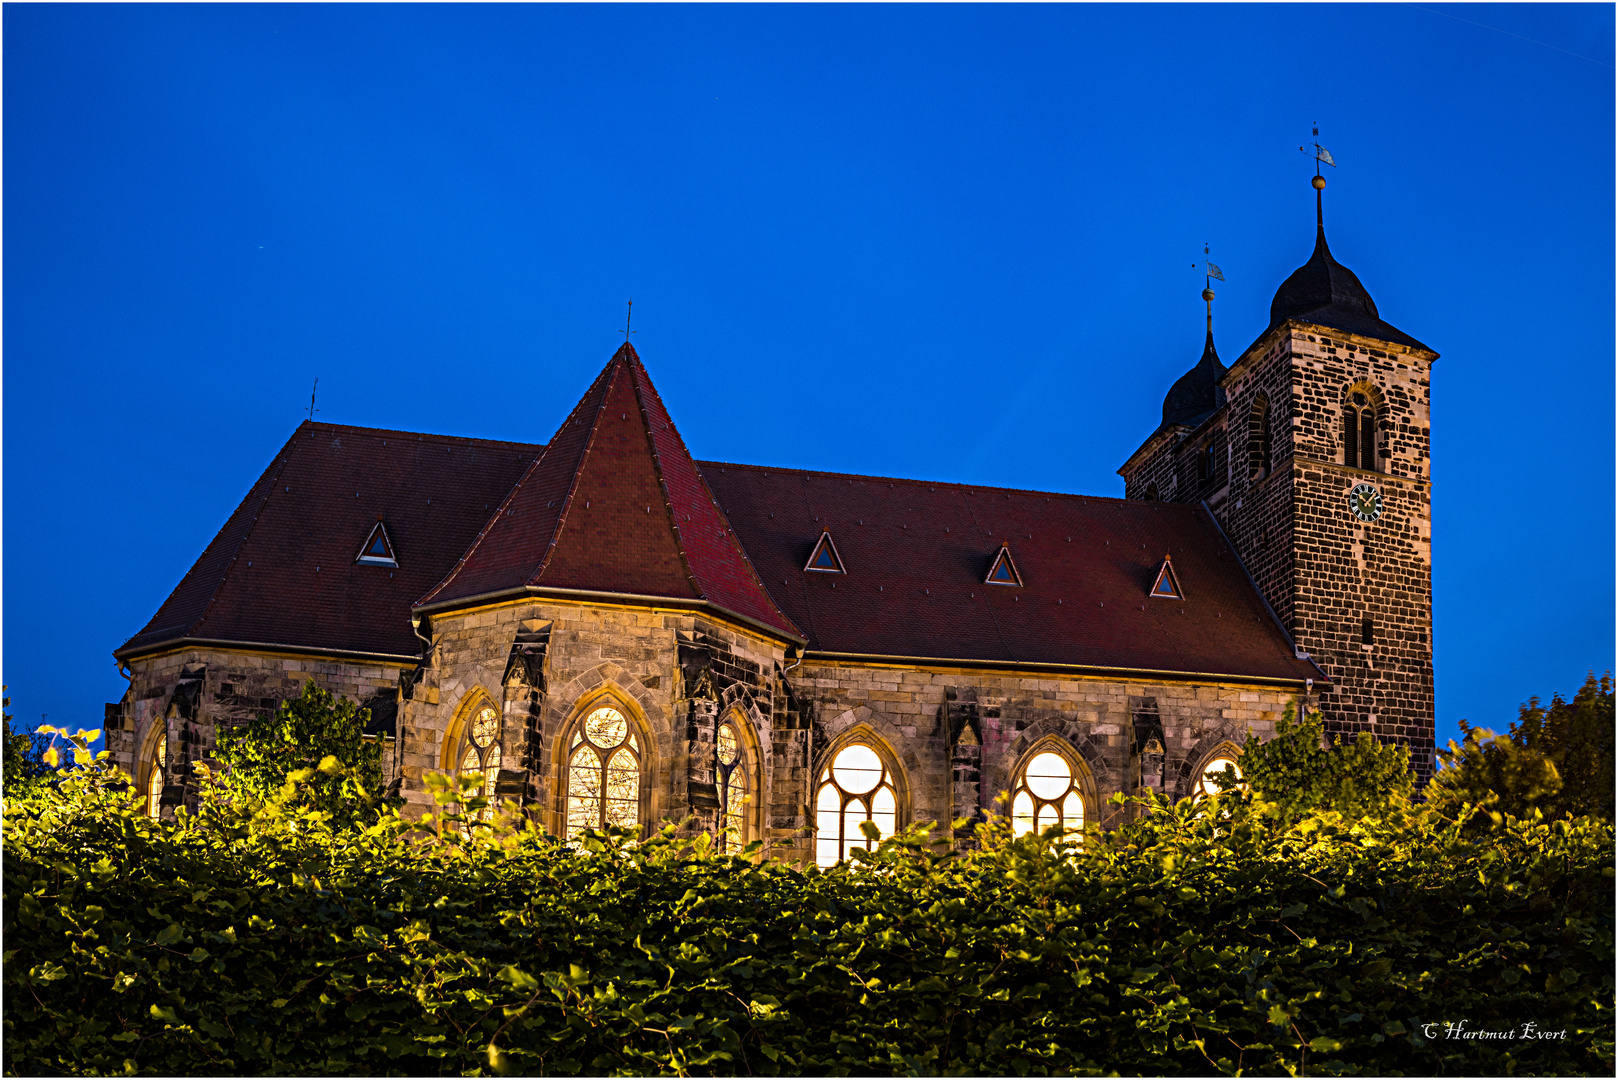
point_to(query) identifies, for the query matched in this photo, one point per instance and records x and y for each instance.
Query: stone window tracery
(1046, 793)
(734, 784)
(603, 773)
(480, 753)
(1359, 431)
(155, 773)
(857, 786)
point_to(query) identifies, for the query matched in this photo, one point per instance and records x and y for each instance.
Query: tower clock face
(1366, 502)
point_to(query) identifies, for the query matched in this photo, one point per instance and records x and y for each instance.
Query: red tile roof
(916, 555)
(614, 505)
(282, 570)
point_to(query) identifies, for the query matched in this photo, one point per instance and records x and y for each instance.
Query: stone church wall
(185, 697)
(956, 736)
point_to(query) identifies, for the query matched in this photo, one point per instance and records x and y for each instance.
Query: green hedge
(1197, 940)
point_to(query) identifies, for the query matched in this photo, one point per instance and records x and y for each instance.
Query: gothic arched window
(1258, 438)
(733, 780)
(857, 786)
(1151, 492)
(155, 773)
(480, 753)
(603, 773)
(1046, 794)
(1223, 759)
(1359, 432)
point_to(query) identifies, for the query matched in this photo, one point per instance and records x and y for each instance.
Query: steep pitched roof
(283, 569)
(916, 554)
(614, 505)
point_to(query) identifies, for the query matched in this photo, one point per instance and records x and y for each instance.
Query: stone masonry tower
(1313, 451)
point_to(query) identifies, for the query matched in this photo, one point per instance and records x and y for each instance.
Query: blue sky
(947, 242)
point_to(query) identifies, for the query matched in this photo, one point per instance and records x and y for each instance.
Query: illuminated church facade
(609, 631)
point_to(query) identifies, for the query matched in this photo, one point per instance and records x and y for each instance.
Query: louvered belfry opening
(1368, 439)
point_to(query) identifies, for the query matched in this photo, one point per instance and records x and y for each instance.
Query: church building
(609, 631)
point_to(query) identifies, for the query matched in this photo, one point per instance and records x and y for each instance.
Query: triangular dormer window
(1167, 585)
(378, 549)
(1003, 571)
(825, 558)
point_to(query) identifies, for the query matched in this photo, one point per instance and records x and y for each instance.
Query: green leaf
(169, 934)
(166, 1014)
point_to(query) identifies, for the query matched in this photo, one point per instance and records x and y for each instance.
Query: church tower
(1313, 451)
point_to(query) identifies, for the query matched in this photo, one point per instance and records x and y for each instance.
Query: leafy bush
(23, 767)
(1557, 760)
(1300, 774)
(301, 733)
(1210, 937)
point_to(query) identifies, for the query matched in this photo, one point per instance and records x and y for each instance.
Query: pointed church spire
(615, 505)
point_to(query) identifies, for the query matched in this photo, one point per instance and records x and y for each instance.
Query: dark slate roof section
(916, 554)
(315, 505)
(1324, 292)
(615, 505)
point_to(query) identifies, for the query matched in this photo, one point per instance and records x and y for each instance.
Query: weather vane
(629, 315)
(1321, 153)
(312, 409)
(1210, 271)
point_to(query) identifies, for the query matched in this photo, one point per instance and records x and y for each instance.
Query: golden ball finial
(1319, 183)
(1207, 294)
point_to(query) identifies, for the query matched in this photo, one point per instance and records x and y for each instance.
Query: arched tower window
(1151, 492)
(603, 772)
(156, 772)
(1359, 431)
(1047, 792)
(734, 779)
(1258, 438)
(857, 786)
(480, 753)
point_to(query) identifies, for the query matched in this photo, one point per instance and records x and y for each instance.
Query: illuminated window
(1216, 766)
(481, 754)
(603, 773)
(730, 777)
(1047, 793)
(857, 787)
(155, 775)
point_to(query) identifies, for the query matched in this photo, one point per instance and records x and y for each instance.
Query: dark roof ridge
(360, 429)
(912, 480)
(540, 459)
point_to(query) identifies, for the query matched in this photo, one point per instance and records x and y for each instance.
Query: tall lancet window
(603, 773)
(857, 787)
(480, 754)
(1359, 432)
(155, 773)
(1258, 438)
(731, 778)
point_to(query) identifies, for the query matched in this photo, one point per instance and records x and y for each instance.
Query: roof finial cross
(629, 315)
(312, 409)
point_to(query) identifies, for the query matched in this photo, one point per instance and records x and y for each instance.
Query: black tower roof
(1325, 292)
(1196, 393)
